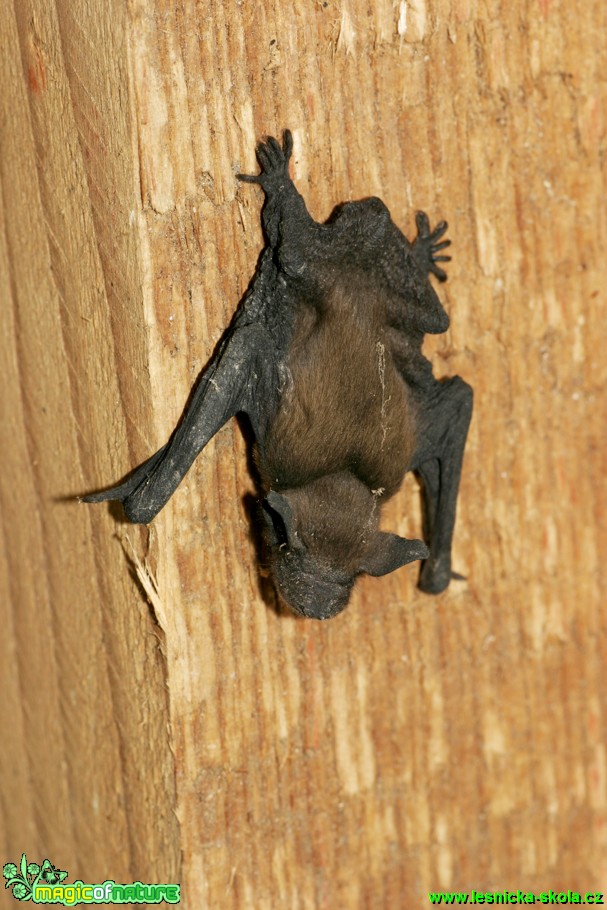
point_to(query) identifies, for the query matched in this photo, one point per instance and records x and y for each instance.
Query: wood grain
(161, 719)
(87, 775)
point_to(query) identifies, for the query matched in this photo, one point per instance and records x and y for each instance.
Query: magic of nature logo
(44, 883)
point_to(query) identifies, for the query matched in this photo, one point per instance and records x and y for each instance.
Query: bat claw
(455, 576)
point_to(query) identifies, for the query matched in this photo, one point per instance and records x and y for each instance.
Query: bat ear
(281, 513)
(388, 552)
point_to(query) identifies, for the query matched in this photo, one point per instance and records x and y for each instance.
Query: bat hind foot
(426, 245)
(274, 162)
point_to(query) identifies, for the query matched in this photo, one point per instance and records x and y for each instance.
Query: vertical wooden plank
(88, 748)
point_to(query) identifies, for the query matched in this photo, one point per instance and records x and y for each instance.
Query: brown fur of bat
(344, 432)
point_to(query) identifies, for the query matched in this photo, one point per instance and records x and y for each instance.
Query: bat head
(317, 554)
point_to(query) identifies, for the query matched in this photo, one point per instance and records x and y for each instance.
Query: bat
(324, 356)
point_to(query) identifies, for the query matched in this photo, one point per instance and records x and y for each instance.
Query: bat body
(324, 356)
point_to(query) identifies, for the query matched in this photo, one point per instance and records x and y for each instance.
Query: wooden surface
(161, 720)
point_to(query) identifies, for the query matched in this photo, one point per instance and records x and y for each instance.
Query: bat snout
(308, 589)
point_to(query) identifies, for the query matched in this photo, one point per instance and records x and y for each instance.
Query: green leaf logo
(20, 891)
(25, 877)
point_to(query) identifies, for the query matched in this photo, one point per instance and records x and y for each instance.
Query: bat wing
(242, 377)
(245, 374)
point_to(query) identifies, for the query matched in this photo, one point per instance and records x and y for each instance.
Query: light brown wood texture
(159, 719)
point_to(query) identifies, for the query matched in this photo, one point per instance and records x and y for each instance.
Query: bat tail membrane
(230, 384)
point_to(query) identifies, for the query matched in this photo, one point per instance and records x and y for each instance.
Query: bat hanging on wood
(324, 356)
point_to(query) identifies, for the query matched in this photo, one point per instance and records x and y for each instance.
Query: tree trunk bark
(161, 719)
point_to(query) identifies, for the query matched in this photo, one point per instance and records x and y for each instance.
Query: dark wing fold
(239, 379)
